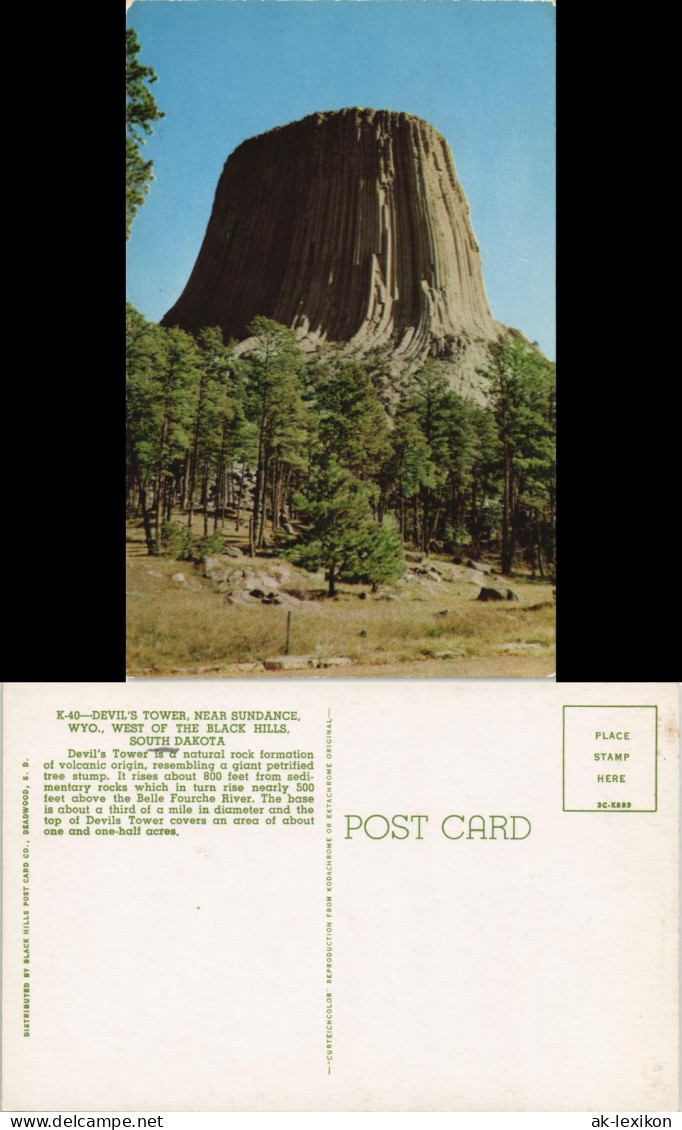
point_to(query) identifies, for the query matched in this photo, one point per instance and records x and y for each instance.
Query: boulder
(278, 574)
(286, 600)
(216, 569)
(480, 565)
(428, 572)
(476, 578)
(334, 661)
(490, 593)
(231, 551)
(179, 577)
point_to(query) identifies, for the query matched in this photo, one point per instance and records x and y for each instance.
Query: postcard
(340, 843)
(390, 896)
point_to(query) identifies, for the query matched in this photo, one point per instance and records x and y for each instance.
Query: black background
(618, 371)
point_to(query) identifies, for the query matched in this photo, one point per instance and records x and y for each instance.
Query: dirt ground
(203, 620)
(497, 667)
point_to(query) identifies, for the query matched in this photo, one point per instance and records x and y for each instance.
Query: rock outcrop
(348, 226)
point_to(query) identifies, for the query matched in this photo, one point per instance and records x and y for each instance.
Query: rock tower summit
(348, 226)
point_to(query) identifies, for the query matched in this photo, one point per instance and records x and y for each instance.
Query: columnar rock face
(348, 226)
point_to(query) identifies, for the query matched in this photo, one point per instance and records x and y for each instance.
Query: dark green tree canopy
(141, 111)
(522, 398)
(305, 455)
(341, 536)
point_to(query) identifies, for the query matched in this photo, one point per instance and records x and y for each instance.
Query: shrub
(210, 544)
(177, 542)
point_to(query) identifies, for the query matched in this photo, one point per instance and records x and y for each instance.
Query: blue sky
(481, 72)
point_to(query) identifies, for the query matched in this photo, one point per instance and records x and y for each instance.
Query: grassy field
(422, 626)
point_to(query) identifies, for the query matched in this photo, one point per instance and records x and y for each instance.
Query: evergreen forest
(340, 463)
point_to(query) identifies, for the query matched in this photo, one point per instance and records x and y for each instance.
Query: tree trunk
(424, 544)
(158, 517)
(507, 553)
(204, 496)
(276, 494)
(160, 478)
(148, 536)
(258, 490)
(220, 479)
(239, 495)
(184, 482)
(218, 497)
(475, 531)
(260, 540)
(194, 454)
(538, 547)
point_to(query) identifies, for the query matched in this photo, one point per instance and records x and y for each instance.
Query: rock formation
(348, 226)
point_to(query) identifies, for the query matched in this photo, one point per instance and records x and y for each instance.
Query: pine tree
(145, 364)
(379, 556)
(461, 442)
(175, 407)
(275, 395)
(521, 389)
(484, 491)
(353, 424)
(215, 423)
(141, 110)
(431, 398)
(407, 467)
(337, 508)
